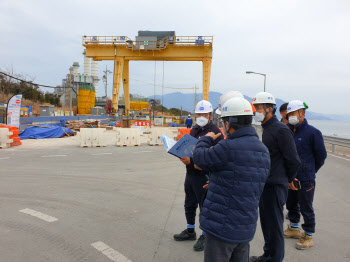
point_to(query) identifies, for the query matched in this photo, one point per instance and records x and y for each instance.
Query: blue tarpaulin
(51, 131)
(173, 124)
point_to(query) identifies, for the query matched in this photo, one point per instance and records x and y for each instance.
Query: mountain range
(186, 102)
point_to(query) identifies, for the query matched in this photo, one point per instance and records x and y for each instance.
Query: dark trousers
(189, 126)
(194, 196)
(271, 204)
(301, 202)
(216, 250)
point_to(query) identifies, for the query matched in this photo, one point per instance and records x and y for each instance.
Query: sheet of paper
(168, 142)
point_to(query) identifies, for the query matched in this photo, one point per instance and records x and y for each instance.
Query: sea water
(332, 128)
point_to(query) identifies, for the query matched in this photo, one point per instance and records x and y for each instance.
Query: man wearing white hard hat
(196, 178)
(278, 138)
(225, 97)
(312, 153)
(239, 167)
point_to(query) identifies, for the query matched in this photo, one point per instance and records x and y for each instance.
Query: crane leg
(206, 77)
(118, 69)
(126, 86)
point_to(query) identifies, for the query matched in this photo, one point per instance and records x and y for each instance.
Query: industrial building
(80, 89)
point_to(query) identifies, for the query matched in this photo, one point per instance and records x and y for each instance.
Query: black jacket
(285, 162)
(311, 149)
(198, 132)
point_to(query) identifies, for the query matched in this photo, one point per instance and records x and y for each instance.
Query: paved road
(131, 200)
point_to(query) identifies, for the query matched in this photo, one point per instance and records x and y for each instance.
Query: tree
(154, 102)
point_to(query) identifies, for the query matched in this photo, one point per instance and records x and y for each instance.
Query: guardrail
(333, 140)
(336, 141)
(150, 45)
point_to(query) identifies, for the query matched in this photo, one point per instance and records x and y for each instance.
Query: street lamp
(250, 72)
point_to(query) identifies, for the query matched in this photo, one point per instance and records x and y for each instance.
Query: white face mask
(202, 121)
(293, 120)
(259, 117)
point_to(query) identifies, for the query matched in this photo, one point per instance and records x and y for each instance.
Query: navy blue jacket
(311, 150)
(285, 162)
(239, 167)
(189, 121)
(198, 132)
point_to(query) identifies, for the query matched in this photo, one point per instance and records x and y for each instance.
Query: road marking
(54, 155)
(4, 158)
(37, 214)
(339, 157)
(110, 252)
(98, 154)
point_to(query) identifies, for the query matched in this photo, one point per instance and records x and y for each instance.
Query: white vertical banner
(13, 110)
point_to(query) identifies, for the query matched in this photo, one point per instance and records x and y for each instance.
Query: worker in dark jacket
(278, 138)
(312, 153)
(196, 178)
(283, 113)
(189, 121)
(239, 167)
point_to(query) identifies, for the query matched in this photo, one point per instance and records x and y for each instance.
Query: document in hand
(182, 148)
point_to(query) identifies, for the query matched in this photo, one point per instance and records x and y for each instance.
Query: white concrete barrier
(5, 141)
(92, 137)
(128, 137)
(156, 133)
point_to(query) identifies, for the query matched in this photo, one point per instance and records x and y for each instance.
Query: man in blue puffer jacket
(239, 167)
(312, 153)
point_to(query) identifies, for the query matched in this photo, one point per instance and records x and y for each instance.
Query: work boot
(185, 235)
(199, 246)
(257, 259)
(305, 242)
(291, 232)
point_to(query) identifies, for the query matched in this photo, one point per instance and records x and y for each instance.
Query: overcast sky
(302, 46)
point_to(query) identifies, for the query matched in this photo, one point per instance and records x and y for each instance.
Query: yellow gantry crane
(122, 49)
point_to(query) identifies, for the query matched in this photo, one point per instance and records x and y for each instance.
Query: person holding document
(239, 167)
(195, 177)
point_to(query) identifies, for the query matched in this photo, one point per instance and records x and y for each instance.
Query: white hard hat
(203, 106)
(189, 115)
(295, 105)
(237, 106)
(264, 98)
(226, 97)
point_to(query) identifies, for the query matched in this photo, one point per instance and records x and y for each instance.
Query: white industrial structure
(74, 79)
(94, 71)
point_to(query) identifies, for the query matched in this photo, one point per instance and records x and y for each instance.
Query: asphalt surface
(131, 199)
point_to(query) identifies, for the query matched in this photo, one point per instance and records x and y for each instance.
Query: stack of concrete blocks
(157, 132)
(128, 137)
(92, 137)
(5, 141)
